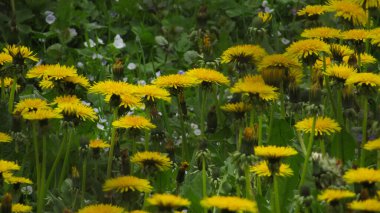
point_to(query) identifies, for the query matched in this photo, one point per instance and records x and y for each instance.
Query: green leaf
(282, 133)
(192, 190)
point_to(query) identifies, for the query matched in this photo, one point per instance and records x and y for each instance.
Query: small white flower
(278, 33)
(100, 126)
(100, 41)
(97, 56)
(285, 41)
(50, 19)
(125, 79)
(264, 4)
(131, 66)
(86, 103)
(194, 126)
(197, 132)
(268, 10)
(102, 120)
(48, 12)
(91, 42)
(80, 65)
(28, 190)
(181, 72)
(96, 110)
(160, 113)
(91, 77)
(73, 32)
(118, 42)
(158, 73)
(141, 82)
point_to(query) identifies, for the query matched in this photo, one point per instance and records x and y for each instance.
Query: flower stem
(42, 190)
(308, 153)
(84, 175)
(36, 154)
(240, 136)
(182, 122)
(204, 180)
(203, 94)
(2, 89)
(341, 122)
(364, 130)
(112, 148)
(66, 159)
(276, 194)
(57, 160)
(12, 94)
(248, 186)
(282, 99)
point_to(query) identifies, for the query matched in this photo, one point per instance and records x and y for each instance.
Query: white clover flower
(131, 66)
(100, 126)
(141, 82)
(80, 64)
(91, 42)
(158, 73)
(118, 42)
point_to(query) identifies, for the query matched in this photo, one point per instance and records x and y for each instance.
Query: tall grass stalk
(112, 148)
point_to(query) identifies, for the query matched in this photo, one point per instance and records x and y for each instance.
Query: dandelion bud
(117, 70)
(6, 203)
(181, 172)
(125, 162)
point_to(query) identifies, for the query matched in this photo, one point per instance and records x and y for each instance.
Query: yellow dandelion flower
(5, 58)
(264, 17)
(230, 203)
(79, 80)
(153, 92)
(168, 201)
(127, 183)
(295, 77)
(348, 10)
(70, 106)
(58, 72)
(373, 34)
(245, 53)
(138, 211)
(10, 179)
(237, 107)
(30, 104)
(42, 114)
(307, 48)
(364, 78)
(38, 71)
(152, 160)
(131, 101)
(8, 82)
(274, 152)
(254, 85)
(339, 71)
(208, 76)
(262, 170)
(365, 59)
(362, 175)
(355, 34)
(321, 33)
(98, 144)
(109, 88)
(176, 81)
(338, 52)
(370, 205)
(20, 52)
(133, 121)
(46, 84)
(7, 166)
(19, 208)
(323, 125)
(312, 10)
(369, 3)
(102, 208)
(4, 137)
(330, 195)
(372, 144)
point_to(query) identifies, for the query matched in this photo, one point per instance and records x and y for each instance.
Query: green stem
(84, 175)
(146, 140)
(2, 89)
(240, 137)
(248, 185)
(112, 148)
(322, 146)
(41, 190)
(364, 130)
(341, 122)
(203, 94)
(57, 160)
(308, 153)
(12, 94)
(269, 131)
(260, 130)
(204, 181)
(282, 99)
(36, 155)
(66, 159)
(183, 131)
(276, 194)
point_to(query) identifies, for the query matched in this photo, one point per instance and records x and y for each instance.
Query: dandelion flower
(312, 10)
(246, 53)
(57, 72)
(4, 137)
(262, 170)
(153, 93)
(254, 85)
(364, 79)
(338, 52)
(10, 179)
(102, 208)
(133, 121)
(274, 152)
(130, 100)
(323, 125)
(176, 81)
(373, 34)
(308, 49)
(370, 205)
(98, 144)
(20, 53)
(38, 71)
(8, 82)
(79, 80)
(208, 76)
(152, 160)
(340, 71)
(168, 201)
(70, 106)
(355, 34)
(138, 211)
(321, 33)
(110, 88)
(5, 58)
(331, 195)
(30, 104)
(127, 183)
(42, 114)
(19, 208)
(372, 145)
(264, 17)
(7, 166)
(237, 107)
(369, 3)
(348, 10)
(230, 203)
(362, 175)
